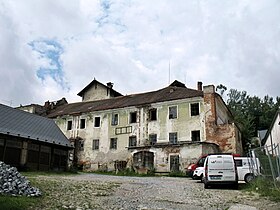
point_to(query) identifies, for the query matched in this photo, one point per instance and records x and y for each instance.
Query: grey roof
(16, 122)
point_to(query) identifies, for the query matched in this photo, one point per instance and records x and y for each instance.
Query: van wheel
(248, 178)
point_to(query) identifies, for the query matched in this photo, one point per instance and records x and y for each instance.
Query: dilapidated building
(163, 130)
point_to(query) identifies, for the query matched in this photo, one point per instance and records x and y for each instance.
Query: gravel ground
(92, 191)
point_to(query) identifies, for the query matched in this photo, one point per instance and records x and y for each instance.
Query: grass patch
(264, 187)
(177, 174)
(17, 203)
(126, 172)
(48, 173)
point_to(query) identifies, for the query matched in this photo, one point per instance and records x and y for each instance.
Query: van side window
(238, 163)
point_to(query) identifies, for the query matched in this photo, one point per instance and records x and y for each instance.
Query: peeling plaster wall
(96, 92)
(218, 128)
(225, 135)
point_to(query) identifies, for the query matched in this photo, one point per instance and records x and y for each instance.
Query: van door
(228, 169)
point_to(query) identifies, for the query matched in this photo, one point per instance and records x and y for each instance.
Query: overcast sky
(54, 48)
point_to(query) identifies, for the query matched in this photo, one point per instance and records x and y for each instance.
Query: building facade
(163, 130)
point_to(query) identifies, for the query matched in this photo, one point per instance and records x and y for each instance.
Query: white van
(247, 168)
(220, 169)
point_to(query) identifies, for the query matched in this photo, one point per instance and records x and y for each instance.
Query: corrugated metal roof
(20, 123)
(166, 94)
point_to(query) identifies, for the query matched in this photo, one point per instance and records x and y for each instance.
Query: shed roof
(19, 123)
(169, 93)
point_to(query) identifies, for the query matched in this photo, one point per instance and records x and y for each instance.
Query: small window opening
(195, 109)
(195, 135)
(133, 117)
(82, 123)
(173, 112)
(69, 125)
(97, 122)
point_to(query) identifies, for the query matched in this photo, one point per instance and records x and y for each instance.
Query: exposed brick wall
(223, 135)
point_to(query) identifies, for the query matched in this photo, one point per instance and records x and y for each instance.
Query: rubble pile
(13, 183)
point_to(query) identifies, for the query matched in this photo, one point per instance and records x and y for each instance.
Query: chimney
(199, 86)
(110, 85)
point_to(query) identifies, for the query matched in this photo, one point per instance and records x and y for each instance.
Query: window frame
(193, 136)
(176, 139)
(152, 140)
(130, 141)
(69, 125)
(152, 115)
(113, 143)
(130, 117)
(170, 115)
(94, 145)
(194, 111)
(95, 122)
(115, 122)
(84, 123)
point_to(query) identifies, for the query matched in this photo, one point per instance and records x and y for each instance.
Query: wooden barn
(31, 142)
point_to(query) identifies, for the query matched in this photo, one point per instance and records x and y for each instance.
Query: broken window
(95, 144)
(97, 122)
(113, 143)
(133, 117)
(195, 109)
(153, 114)
(82, 123)
(153, 139)
(115, 119)
(173, 138)
(69, 125)
(132, 141)
(172, 112)
(195, 135)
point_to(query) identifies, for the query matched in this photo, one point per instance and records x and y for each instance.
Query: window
(238, 163)
(113, 143)
(115, 119)
(97, 122)
(153, 114)
(82, 123)
(195, 109)
(153, 139)
(132, 141)
(81, 145)
(173, 112)
(195, 135)
(69, 125)
(173, 138)
(95, 144)
(133, 117)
